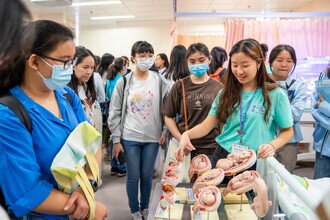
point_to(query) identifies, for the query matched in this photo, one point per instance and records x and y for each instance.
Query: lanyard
(241, 118)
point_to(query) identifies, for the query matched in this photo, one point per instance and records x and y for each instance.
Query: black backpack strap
(122, 100)
(68, 97)
(19, 110)
(288, 86)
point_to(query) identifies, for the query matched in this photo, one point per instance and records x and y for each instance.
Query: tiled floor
(113, 194)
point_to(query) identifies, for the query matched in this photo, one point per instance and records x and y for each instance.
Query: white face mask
(144, 63)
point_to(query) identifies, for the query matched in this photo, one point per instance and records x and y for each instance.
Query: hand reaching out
(266, 150)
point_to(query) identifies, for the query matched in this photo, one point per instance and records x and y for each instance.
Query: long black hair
(106, 60)
(115, 67)
(81, 54)
(39, 37)
(232, 87)
(12, 16)
(218, 57)
(178, 68)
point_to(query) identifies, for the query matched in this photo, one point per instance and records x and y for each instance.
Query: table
(186, 210)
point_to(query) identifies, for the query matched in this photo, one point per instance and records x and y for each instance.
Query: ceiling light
(96, 3)
(112, 17)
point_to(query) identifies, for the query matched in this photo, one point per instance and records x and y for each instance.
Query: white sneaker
(137, 216)
(145, 213)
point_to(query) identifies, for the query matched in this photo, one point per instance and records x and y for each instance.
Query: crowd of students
(192, 98)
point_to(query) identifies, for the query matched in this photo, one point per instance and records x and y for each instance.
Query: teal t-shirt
(256, 130)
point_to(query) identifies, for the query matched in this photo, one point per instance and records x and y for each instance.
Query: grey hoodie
(117, 115)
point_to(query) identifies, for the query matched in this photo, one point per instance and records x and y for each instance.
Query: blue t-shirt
(110, 86)
(256, 130)
(25, 159)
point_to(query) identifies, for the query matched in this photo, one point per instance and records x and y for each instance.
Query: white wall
(118, 39)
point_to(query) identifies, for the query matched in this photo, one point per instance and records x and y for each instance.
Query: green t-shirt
(256, 130)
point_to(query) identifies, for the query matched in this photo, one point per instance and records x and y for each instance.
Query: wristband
(272, 146)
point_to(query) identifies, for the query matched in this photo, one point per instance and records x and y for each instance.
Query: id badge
(238, 148)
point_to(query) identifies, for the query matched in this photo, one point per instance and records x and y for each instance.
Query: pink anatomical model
(210, 178)
(169, 196)
(237, 162)
(172, 172)
(260, 204)
(199, 165)
(208, 199)
(241, 183)
(174, 167)
(167, 199)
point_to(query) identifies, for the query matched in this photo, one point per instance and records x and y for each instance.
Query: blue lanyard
(241, 118)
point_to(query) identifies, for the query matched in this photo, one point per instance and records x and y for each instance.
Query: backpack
(290, 93)
(20, 111)
(105, 107)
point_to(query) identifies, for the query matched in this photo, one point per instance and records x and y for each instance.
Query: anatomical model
(237, 162)
(208, 199)
(210, 178)
(199, 165)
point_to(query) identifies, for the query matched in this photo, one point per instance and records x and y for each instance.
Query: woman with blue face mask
(136, 124)
(200, 91)
(38, 81)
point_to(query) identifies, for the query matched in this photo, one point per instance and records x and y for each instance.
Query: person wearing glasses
(38, 80)
(82, 83)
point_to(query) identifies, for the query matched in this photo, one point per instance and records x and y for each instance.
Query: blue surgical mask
(199, 69)
(60, 76)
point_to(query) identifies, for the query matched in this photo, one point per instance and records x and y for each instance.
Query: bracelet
(272, 146)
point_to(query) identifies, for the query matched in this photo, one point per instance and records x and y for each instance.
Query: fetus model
(241, 183)
(169, 182)
(210, 178)
(260, 204)
(168, 198)
(199, 165)
(208, 199)
(237, 162)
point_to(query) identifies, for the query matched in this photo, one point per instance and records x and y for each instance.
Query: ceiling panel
(158, 10)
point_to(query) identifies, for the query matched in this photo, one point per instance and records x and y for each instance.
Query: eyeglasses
(66, 63)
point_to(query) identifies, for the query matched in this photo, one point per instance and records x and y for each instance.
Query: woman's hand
(266, 150)
(184, 148)
(321, 99)
(117, 148)
(101, 211)
(82, 207)
(162, 139)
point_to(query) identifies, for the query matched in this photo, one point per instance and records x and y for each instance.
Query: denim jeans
(114, 162)
(140, 159)
(322, 166)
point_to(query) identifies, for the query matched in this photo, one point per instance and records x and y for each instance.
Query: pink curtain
(173, 38)
(210, 40)
(309, 36)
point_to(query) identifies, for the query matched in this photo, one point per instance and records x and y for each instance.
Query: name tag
(238, 148)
